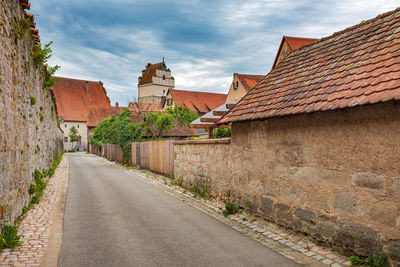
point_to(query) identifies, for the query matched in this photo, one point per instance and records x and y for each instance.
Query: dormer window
(235, 85)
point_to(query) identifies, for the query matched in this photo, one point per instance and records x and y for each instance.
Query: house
(241, 84)
(82, 104)
(199, 102)
(155, 81)
(316, 143)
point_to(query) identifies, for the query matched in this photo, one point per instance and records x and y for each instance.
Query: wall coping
(205, 141)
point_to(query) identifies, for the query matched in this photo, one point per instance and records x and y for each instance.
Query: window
(234, 101)
(77, 126)
(169, 102)
(163, 77)
(235, 85)
(65, 139)
(65, 126)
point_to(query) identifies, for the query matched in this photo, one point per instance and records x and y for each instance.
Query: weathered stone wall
(334, 175)
(26, 141)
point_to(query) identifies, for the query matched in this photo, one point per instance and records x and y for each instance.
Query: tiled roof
(200, 102)
(98, 114)
(293, 43)
(357, 66)
(73, 98)
(249, 81)
(149, 73)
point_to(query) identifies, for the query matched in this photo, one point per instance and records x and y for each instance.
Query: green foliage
(9, 237)
(49, 80)
(21, 27)
(222, 132)
(161, 121)
(41, 116)
(40, 57)
(373, 260)
(41, 108)
(38, 148)
(25, 209)
(71, 151)
(33, 100)
(37, 127)
(41, 54)
(184, 115)
(230, 207)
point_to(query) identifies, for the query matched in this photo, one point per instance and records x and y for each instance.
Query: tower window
(163, 77)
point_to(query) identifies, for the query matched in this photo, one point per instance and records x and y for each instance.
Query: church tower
(154, 83)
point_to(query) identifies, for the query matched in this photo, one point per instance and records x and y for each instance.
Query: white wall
(82, 132)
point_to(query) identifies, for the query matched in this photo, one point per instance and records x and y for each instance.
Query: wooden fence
(109, 151)
(156, 156)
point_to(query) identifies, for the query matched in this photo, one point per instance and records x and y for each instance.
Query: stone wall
(334, 175)
(29, 134)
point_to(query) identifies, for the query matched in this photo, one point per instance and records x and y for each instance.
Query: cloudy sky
(203, 41)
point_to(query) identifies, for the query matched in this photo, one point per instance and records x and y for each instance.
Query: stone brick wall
(26, 141)
(333, 175)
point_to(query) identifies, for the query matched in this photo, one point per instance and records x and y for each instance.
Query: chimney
(116, 108)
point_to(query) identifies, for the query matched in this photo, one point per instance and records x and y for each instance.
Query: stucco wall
(82, 132)
(26, 141)
(235, 93)
(334, 175)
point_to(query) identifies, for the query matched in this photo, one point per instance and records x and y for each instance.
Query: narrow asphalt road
(113, 218)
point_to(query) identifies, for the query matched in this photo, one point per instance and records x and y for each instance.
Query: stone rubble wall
(26, 141)
(332, 175)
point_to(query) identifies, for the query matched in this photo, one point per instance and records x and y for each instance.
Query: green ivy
(33, 100)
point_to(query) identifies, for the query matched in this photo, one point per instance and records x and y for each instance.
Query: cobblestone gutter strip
(292, 245)
(41, 228)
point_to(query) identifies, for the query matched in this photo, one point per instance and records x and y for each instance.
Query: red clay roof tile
(74, 97)
(356, 66)
(249, 81)
(200, 102)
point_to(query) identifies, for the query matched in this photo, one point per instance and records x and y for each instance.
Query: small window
(234, 101)
(163, 77)
(169, 102)
(77, 126)
(235, 85)
(66, 139)
(65, 126)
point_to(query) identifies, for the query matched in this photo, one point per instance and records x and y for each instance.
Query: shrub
(71, 150)
(33, 100)
(9, 237)
(373, 260)
(230, 207)
(25, 209)
(21, 27)
(41, 54)
(222, 132)
(41, 116)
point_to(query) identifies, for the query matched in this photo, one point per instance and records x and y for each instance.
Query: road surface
(113, 218)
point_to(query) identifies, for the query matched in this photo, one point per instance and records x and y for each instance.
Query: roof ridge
(306, 38)
(58, 77)
(196, 91)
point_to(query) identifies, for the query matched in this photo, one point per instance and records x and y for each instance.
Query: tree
(164, 123)
(184, 115)
(73, 135)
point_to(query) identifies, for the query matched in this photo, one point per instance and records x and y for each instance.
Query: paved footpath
(41, 228)
(115, 218)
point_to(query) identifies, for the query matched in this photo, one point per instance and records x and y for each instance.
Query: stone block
(319, 199)
(396, 186)
(306, 220)
(394, 251)
(362, 240)
(382, 212)
(267, 206)
(292, 195)
(284, 215)
(345, 203)
(256, 186)
(370, 181)
(305, 174)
